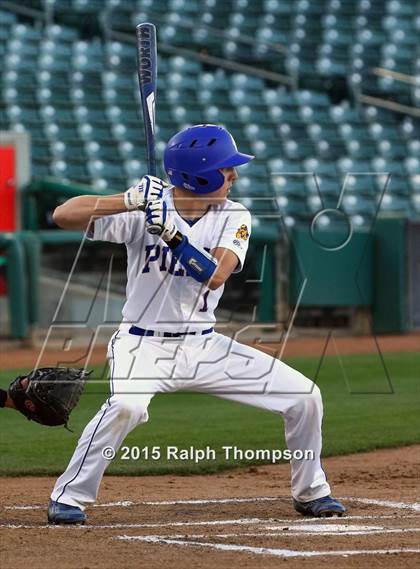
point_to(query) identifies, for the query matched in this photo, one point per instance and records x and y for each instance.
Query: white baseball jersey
(160, 295)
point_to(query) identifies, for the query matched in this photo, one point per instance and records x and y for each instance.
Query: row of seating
(86, 126)
(311, 40)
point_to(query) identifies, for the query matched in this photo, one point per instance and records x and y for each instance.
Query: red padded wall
(8, 211)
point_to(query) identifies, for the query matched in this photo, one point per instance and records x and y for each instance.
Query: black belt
(142, 332)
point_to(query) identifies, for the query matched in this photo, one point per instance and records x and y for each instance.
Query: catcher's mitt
(50, 395)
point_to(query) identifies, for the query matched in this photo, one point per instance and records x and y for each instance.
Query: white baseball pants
(143, 366)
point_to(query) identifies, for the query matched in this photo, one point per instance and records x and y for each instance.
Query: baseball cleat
(64, 514)
(325, 507)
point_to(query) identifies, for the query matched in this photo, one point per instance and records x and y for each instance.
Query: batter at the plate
(183, 242)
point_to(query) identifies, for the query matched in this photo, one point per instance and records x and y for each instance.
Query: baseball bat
(147, 74)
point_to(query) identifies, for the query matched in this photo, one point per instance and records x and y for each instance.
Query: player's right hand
(149, 188)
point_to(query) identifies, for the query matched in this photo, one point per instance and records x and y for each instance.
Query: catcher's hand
(49, 395)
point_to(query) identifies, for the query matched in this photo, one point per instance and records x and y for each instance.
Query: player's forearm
(76, 213)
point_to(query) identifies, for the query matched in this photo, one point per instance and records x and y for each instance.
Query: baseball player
(183, 242)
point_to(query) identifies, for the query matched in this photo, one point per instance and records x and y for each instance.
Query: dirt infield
(294, 347)
(240, 518)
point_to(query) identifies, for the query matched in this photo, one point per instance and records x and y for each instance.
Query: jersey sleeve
(235, 233)
(118, 228)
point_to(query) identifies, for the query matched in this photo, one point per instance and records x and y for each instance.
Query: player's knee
(312, 401)
(130, 411)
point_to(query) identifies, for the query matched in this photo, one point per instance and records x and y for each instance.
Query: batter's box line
(277, 552)
(287, 532)
(415, 506)
(240, 521)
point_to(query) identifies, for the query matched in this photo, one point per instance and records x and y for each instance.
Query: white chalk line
(265, 550)
(239, 521)
(329, 522)
(287, 533)
(127, 503)
(387, 503)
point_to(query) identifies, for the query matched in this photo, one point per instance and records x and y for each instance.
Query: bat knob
(154, 230)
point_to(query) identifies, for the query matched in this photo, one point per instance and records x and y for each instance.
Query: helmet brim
(236, 159)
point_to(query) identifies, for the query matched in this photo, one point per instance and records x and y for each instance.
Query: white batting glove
(159, 220)
(148, 189)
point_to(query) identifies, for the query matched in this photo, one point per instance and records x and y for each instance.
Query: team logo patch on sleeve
(242, 232)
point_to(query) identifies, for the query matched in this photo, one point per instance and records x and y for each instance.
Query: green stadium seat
(392, 149)
(131, 151)
(217, 113)
(292, 206)
(69, 150)
(320, 167)
(244, 97)
(382, 165)
(183, 65)
(96, 132)
(360, 184)
(415, 205)
(190, 115)
(125, 132)
(297, 150)
(178, 81)
(279, 97)
(7, 19)
(354, 204)
(26, 33)
(40, 169)
(106, 152)
(266, 150)
(255, 168)
(360, 149)
(251, 187)
(216, 80)
(411, 165)
(64, 133)
(213, 96)
(247, 82)
(60, 50)
(23, 48)
(283, 166)
(135, 168)
(322, 184)
(262, 131)
(392, 203)
(346, 165)
(61, 33)
(343, 113)
(288, 185)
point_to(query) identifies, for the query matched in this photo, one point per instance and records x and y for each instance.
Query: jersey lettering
(156, 253)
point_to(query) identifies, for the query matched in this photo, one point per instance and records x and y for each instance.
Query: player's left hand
(159, 220)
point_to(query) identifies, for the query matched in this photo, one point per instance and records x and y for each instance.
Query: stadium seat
(80, 98)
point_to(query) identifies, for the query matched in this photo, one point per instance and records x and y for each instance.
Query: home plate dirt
(241, 518)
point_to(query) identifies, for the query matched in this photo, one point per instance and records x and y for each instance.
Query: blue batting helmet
(194, 156)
